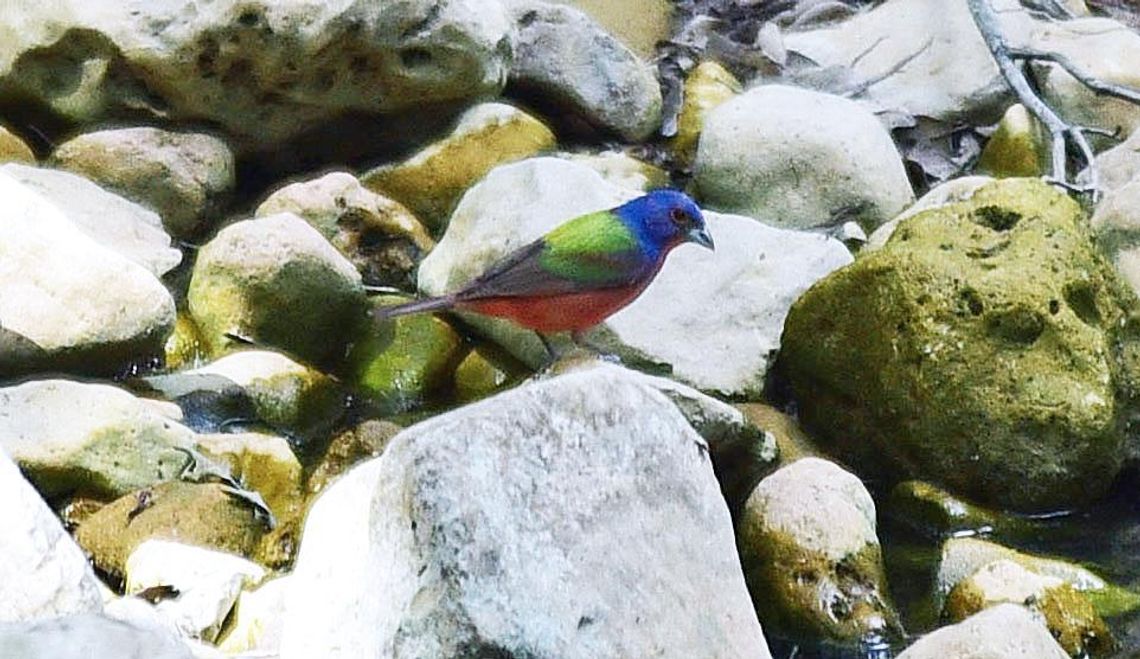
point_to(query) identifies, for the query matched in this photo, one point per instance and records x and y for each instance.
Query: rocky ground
(892, 415)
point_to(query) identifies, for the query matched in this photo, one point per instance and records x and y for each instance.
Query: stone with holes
(986, 347)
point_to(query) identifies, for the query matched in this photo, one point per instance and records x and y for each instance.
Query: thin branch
(1087, 79)
(1060, 131)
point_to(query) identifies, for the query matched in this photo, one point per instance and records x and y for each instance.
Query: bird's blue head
(664, 219)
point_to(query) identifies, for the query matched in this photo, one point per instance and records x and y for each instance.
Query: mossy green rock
(277, 282)
(811, 557)
(484, 371)
(184, 347)
(981, 348)
(935, 512)
(405, 361)
(205, 515)
(431, 181)
(1019, 146)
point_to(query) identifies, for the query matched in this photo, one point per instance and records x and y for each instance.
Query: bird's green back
(593, 248)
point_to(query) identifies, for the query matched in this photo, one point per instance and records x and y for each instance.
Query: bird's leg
(580, 339)
(551, 353)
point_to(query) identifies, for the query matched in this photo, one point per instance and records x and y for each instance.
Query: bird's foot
(586, 345)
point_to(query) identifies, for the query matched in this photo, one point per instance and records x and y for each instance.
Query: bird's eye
(679, 217)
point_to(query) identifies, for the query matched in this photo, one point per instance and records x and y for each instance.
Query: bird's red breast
(566, 312)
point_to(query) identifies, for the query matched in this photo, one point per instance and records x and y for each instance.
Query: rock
(622, 169)
(950, 192)
(706, 87)
(790, 438)
(378, 235)
(264, 464)
(814, 567)
(1067, 613)
(85, 635)
(568, 560)
(183, 347)
(350, 447)
(256, 626)
(733, 304)
(184, 177)
(797, 158)
(205, 515)
(141, 614)
(567, 63)
(1016, 323)
(13, 149)
(1019, 147)
(93, 439)
(431, 181)
(44, 574)
(937, 513)
(288, 396)
(406, 361)
(49, 319)
(485, 371)
(962, 557)
(927, 58)
(1102, 48)
(263, 73)
(639, 24)
(1120, 164)
(207, 582)
(278, 282)
(120, 225)
(1006, 631)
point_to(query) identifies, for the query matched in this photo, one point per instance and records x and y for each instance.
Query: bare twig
(1087, 79)
(1060, 131)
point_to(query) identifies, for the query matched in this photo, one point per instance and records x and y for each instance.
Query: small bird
(581, 272)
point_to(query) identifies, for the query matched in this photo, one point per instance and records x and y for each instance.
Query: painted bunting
(583, 271)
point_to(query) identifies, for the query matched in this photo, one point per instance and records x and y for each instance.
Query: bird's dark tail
(416, 306)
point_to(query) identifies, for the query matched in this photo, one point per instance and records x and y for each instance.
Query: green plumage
(596, 248)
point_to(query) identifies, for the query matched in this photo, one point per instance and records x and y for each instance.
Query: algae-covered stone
(431, 181)
(954, 190)
(1019, 147)
(962, 557)
(812, 559)
(707, 86)
(404, 361)
(980, 349)
(93, 439)
(790, 438)
(286, 395)
(264, 464)
(639, 24)
(13, 149)
(377, 234)
(184, 177)
(354, 445)
(184, 345)
(275, 281)
(934, 511)
(1067, 613)
(485, 371)
(205, 515)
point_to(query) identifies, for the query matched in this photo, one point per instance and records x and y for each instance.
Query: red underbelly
(569, 312)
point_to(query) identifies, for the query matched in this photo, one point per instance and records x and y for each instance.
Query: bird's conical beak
(702, 237)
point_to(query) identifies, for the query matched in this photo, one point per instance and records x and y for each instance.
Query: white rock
(67, 301)
(826, 509)
(258, 620)
(69, 435)
(263, 71)
(43, 573)
(573, 517)
(1006, 631)
(568, 60)
(181, 176)
(120, 225)
(796, 158)
(962, 557)
(713, 317)
(208, 583)
(143, 615)
(85, 635)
